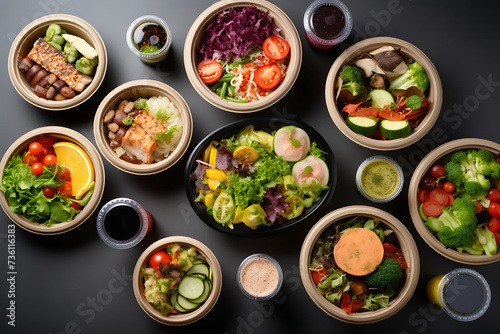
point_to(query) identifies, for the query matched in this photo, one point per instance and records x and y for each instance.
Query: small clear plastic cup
(137, 231)
(463, 293)
(259, 277)
(313, 34)
(154, 57)
(388, 194)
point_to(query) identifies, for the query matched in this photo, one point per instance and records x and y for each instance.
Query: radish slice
(291, 143)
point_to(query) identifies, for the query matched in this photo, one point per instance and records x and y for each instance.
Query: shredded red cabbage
(235, 32)
(275, 205)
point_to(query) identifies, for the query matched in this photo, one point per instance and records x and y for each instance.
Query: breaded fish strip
(53, 61)
(139, 144)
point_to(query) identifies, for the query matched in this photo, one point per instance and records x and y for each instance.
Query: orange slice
(78, 162)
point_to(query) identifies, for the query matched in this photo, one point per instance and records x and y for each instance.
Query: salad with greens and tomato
(259, 178)
(459, 201)
(242, 56)
(37, 186)
(367, 284)
(177, 280)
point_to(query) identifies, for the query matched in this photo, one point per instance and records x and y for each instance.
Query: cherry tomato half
(276, 48)
(431, 208)
(494, 209)
(437, 171)
(395, 253)
(494, 195)
(423, 196)
(48, 191)
(479, 207)
(37, 168)
(30, 159)
(64, 174)
(318, 274)
(267, 76)
(209, 71)
(46, 141)
(440, 196)
(50, 160)
(65, 189)
(35, 148)
(158, 257)
(75, 205)
(449, 187)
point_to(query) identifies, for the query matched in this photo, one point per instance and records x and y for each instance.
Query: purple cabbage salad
(235, 32)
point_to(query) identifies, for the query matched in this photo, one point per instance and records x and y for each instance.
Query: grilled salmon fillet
(149, 123)
(139, 144)
(53, 61)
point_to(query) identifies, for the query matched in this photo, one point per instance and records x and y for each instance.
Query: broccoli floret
(386, 275)
(459, 222)
(415, 76)
(469, 169)
(352, 80)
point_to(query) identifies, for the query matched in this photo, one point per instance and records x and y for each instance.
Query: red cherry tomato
(494, 227)
(158, 257)
(318, 274)
(440, 196)
(494, 195)
(356, 304)
(64, 174)
(346, 302)
(423, 195)
(30, 159)
(451, 199)
(431, 208)
(75, 205)
(275, 48)
(428, 183)
(37, 168)
(35, 148)
(449, 187)
(267, 76)
(395, 253)
(479, 207)
(48, 191)
(47, 141)
(50, 160)
(494, 209)
(65, 189)
(209, 71)
(437, 171)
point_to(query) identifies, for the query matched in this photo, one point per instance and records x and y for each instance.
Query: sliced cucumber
(175, 304)
(380, 98)
(205, 294)
(191, 287)
(186, 304)
(362, 125)
(395, 129)
(200, 275)
(201, 268)
(196, 261)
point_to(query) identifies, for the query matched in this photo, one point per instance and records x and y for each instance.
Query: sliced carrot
(391, 114)
(366, 112)
(350, 108)
(358, 252)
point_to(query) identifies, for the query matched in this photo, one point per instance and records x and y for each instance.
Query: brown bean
(129, 107)
(67, 92)
(121, 105)
(120, 133)
(111, 135)
(113, 127)
(35, 68)
(119, 117)
(45, 81)
(37, 77)
(59, 84)
(134, 113)
(52, 78)
(51, 92)
(59, 97)
(41, 91)
(109, 116)
(25, 64)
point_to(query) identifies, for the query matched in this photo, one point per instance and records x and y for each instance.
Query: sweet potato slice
(358, 251)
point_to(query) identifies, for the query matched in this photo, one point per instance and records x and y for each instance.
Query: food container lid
(250, 259)
(451, 287)
(394, 191)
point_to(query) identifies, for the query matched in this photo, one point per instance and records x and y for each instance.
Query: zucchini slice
(186, 304)
(362, 125)
(201, 268)
(395, 129)
(175, 304)
(380, 98)
(205, 294)
(190, 287)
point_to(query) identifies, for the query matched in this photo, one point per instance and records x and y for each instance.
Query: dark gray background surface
(62, 280)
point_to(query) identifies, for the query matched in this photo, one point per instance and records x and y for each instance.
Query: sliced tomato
(47, 141)
(451, 199)
(494, 209)
(356, 304)
(423, 196)
(346, 302)
(318, 274)
(75, 205)
(276, 48)
(395, 253)
(64, 174)
(431, 208)
(209, 71)
(494, 195)
(440, 196)
(479, 207)
(30, 159)
(65, 189)
(267, 76)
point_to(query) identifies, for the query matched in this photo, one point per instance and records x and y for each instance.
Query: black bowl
(268, 124)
